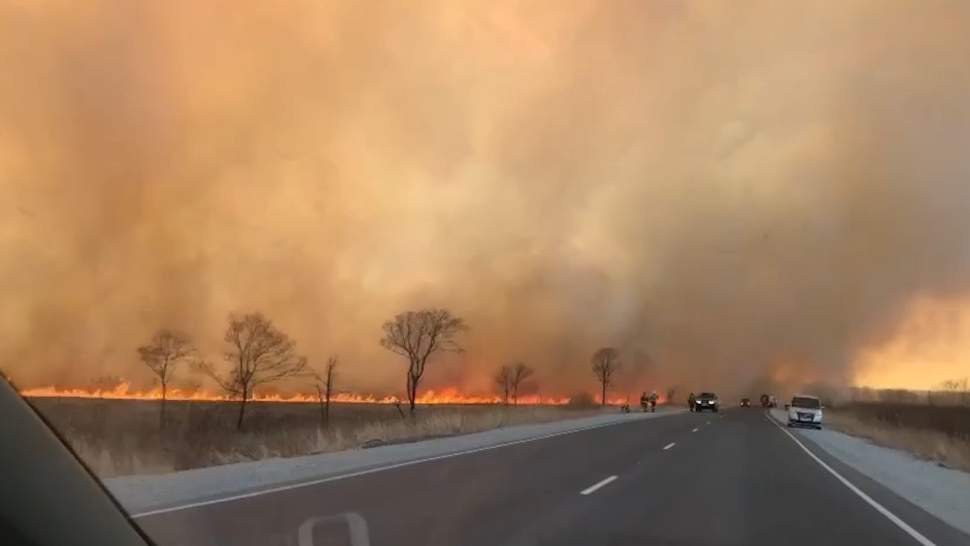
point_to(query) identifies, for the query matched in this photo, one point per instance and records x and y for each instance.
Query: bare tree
(162, 355)
(324, 385)
(258, 354)
(671, 393)
(503, 380)
(955, 385)
(520, 372)
(606, 362)
(416, 335)
(106, 383)
(397, 404)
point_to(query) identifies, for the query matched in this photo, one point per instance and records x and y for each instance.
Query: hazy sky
(726, 192)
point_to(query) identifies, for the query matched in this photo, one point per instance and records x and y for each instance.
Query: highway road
(690, 479)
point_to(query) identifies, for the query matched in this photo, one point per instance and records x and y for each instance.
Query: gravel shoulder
(943, 492)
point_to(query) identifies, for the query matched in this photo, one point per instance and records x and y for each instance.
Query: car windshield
(805, 402)
(452, 272)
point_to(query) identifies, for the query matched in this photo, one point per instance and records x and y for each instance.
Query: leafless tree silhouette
(503, 380)
(106, 383)
(162, 355)
(955, 385)
(606, 362)
(671, 393)
(258, 354)
(417, 335)
(325, 384)
(520, 372)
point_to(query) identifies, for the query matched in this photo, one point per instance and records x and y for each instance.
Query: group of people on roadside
(648, 401)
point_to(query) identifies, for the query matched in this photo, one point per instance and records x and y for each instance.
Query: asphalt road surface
(692, 479)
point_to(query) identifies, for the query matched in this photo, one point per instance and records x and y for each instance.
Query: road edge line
(298, 485)
(916, 535)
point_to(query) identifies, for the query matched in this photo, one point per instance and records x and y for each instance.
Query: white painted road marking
(695, 429)
(371, 470)
(670, 445)
(879, 508)
(595, 486)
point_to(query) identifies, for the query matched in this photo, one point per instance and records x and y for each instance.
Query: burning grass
(934, 432)
(123, 390)
(117, 437)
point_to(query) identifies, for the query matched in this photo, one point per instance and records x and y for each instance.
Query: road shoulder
(942, 492)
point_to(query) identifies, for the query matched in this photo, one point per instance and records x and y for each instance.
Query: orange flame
(123, 391)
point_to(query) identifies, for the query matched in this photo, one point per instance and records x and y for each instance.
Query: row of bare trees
(258, 353)
(956, 385)
(605, 365)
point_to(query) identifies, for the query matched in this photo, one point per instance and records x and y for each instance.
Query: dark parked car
(745, 402)
(707, 401)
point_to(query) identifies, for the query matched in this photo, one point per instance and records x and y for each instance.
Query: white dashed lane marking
(595, 486)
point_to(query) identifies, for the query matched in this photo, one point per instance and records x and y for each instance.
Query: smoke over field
(729, 194)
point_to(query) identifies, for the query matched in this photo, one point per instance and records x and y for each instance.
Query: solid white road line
(695, 429)
(879, 508)
(670, 445)
(369, 471)
(597, 485)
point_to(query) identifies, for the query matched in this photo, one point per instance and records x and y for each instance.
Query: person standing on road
(691, 400)
(644, 401)
(653, 402)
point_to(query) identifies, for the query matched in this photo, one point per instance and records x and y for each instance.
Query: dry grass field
(936, 432)
(122, 437)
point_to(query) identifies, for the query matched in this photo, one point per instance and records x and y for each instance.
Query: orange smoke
(123, 391)
(929, 346)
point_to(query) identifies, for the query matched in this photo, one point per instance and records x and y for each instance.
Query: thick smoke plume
(730, 195)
